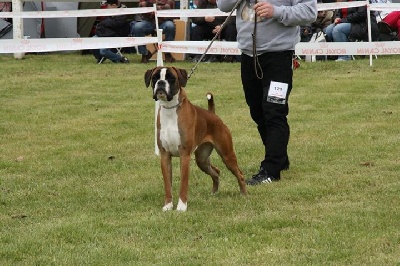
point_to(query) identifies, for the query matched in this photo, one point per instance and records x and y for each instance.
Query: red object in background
(42, 28)
(296, 63)
(393, 20)
(103, 5)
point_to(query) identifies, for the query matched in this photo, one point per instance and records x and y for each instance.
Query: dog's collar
(172, 107)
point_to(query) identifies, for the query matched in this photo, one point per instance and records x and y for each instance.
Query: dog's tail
(211, 105)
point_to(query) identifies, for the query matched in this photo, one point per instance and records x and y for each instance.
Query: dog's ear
(182, 76)
(147, 76)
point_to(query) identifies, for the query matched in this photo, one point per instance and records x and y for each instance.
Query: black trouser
(270, 117)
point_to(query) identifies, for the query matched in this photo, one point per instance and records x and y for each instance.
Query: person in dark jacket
(113, 26)
(206, 28)
(351, 25)
(147, 25)
(324, 19)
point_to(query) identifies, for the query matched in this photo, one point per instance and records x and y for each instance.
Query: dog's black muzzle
(160, 91)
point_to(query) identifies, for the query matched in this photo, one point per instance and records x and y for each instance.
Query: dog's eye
(171, 78)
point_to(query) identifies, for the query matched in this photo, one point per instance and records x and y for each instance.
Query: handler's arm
(226, 5)
(301, 12)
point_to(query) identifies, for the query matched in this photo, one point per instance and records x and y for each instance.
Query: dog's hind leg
(232, 165)
(203, 161)
(228, 156)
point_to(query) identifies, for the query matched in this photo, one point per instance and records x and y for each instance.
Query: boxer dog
(183, 129)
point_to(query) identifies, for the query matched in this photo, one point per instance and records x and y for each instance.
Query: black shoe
(169, 58)
(227, 59)
(196, 59)
(261, 178)
(124, 60)
(206, 59)
(210, 59)
(146, 57)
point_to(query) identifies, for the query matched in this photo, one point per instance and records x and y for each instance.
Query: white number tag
(277, 92)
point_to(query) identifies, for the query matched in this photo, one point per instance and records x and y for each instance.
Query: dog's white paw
(181, 206)
(168, 207)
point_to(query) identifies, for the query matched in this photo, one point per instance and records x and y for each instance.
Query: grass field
(80, 183)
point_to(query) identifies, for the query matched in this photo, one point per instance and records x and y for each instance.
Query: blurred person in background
(205, 28)
(393, 20)
(324, 19)
(112, 26)
(349, 25)
(146, 25)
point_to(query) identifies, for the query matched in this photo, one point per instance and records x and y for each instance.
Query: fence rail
(21, 45)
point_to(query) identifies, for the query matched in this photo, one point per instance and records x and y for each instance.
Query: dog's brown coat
(200, 132)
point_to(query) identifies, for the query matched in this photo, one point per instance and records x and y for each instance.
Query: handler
(267, 34)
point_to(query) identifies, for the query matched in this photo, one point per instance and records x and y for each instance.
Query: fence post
(369, 28)
(18, 24)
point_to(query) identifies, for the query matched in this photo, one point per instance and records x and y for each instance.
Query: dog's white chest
(169, 132)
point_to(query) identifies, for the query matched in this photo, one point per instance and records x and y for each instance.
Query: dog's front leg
(183, 193)
(166, 169)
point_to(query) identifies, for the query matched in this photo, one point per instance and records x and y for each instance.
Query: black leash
(257, 66)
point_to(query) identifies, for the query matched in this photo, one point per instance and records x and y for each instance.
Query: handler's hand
(264, 9)
(216, 29)
(209, 19)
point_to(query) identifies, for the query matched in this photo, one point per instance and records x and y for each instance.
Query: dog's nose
(160, 84)
(161, 95)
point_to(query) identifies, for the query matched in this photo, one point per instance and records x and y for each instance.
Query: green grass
(80, 183)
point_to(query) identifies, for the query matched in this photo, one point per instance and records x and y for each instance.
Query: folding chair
(118, 52)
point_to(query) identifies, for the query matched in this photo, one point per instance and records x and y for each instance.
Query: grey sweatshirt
(279, 33)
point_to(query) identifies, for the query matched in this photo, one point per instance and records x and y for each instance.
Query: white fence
(21, 45)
